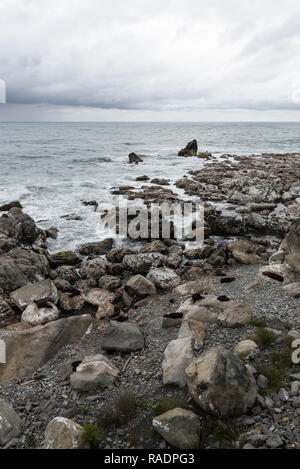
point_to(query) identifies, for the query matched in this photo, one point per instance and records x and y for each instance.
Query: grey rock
(44, 291)
(122, 337)
(10, 423)
(180, 428)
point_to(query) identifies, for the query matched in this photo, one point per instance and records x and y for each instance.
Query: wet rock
(160, 182)
(122, 337)
(64, 258)
(94, 373)
(35, 292)
(164, 278)
(67, 273)
(7, 207)
(134, 159)
(190, 150)
(220, 383)
(142, 263)
(10, 423)
(142, 178)
(36, 315)
(19, 226)
(22, 347)
(139, 286)
(62, 433)
(116, 256)
(178, 355)
(96, 249)
(180, 428)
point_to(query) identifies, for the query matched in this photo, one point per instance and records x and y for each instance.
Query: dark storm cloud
(151, 55)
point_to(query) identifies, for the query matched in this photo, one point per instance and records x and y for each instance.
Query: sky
(142, 60)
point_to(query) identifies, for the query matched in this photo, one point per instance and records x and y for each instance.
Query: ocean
(52, 167)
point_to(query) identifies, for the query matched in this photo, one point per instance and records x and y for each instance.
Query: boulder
(277, 273)
(93, 269)
(190, 150)
(134, 159)
(10, 423)
(244, 252)
(28, 350)
(180, 428)
(96, 249)
(246, 349)
(293, 289)
(221, 384)
(64, 258)
(122, 337)
(19, 226)
(35, 292)
(35, 315)
(94, 373)
(20, 267)
(7, 207)
(72, 302)
(194, 311)
(178, 355)
(110, 283)
(142, 263)
(103, 300)
(164, 278)
(236, 315)
(62, 433)
(195, 288)
(290, 247)
(140, 287)
(67, 273)
(193, 328)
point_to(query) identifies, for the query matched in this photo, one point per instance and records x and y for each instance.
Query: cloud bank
(172, 58)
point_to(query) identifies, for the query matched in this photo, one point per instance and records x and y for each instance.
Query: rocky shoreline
(199, 340)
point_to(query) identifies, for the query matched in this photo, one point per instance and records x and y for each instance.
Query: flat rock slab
(28, 350)
(35, 292)
(122, 337)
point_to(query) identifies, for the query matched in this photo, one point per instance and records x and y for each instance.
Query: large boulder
(62, 433)
(178, 355)
(190, 150)
(180, 428)
(94, 373)
(10, 423)
(20, 267)
(140, 287)
(35, 292)
(28, 350)
(96, 249)
(142, 263)
(221, 384)
(19, 226)
(122, 337)
(164, 278)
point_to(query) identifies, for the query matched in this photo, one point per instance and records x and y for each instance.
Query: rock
(96, 249)
(20, 267)
(160, 182)
(199, 313)
(164, 278)
(155, 246)
(290, 246)
(293, 290)
(66, 273)
(36, 315)
(10, 423)
(178, 355)
(134, 159)
(244, 252)
(246, 349)
(277, 273)
(190, 150)
(7, 207)
(180, 428)
(220, 383)
(94, 373)
(236, 316)
(72, 302)
(142, 263)
(139, 286)
(64, 258)
(194, 288)
(122, 337)
(93, 269)
(116, 256)
(142, 178)
(22, 358)
(283, 395)
(19, 226)
(103, 300)
(110, 283)
(35, 292)
(262, 382)
(62, 433)
(274, 442)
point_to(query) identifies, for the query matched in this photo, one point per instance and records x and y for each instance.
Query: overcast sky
(150, 60)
